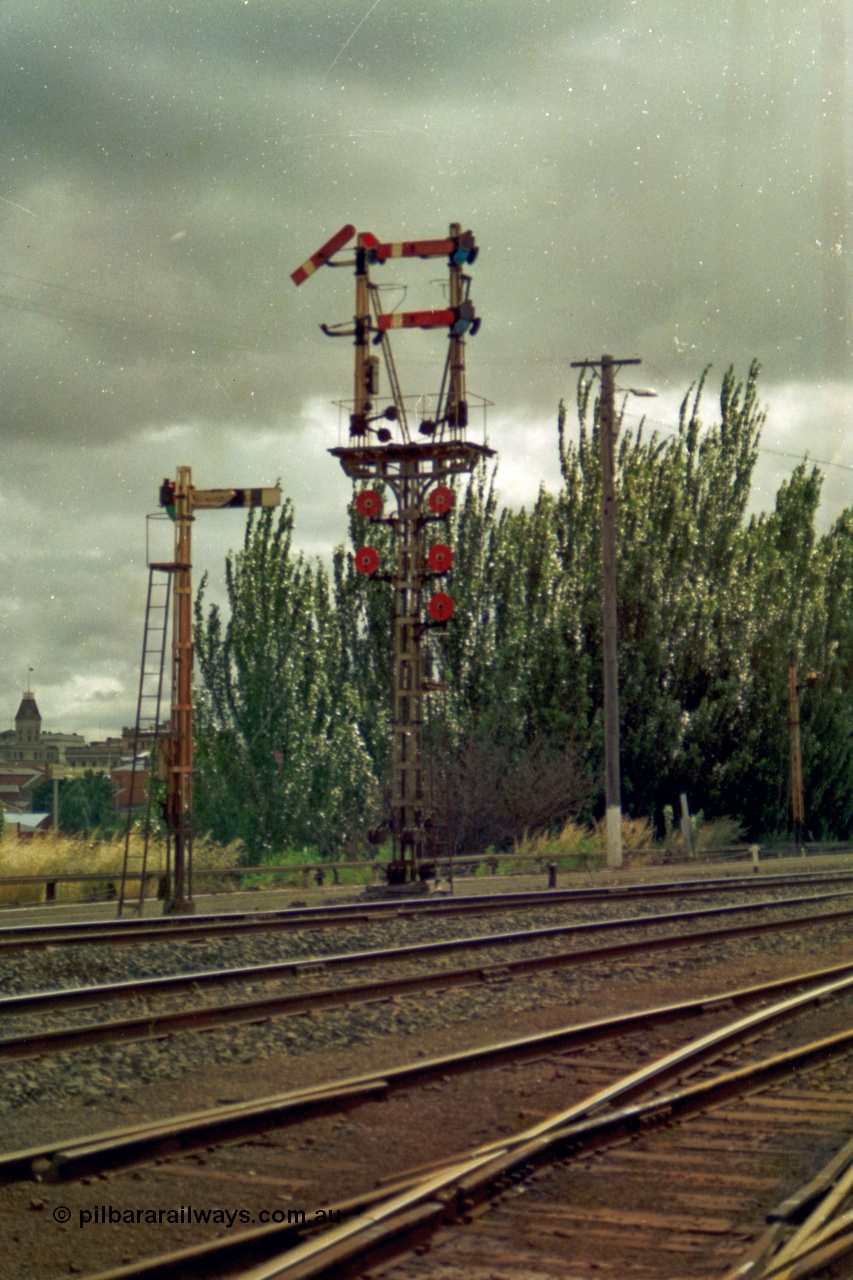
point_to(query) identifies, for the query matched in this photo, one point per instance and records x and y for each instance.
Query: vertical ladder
(148, 710)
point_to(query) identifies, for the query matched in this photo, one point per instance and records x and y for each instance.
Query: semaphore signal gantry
(414, 462)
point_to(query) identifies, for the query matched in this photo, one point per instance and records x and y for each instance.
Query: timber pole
(607, 433)
(612, 781)
(796, 758)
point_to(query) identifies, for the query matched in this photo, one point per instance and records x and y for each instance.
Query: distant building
(28, 744)
(16, 787)
(121, 780)
(144, 741)
(27, 752)
(26, 825)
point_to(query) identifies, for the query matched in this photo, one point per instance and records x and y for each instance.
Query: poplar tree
(279, 759)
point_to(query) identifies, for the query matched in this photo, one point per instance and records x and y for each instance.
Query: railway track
(323, 1144)
(19, 937)
(633, 1121)
(655, 1202)
(97, 1152)
(489, 969)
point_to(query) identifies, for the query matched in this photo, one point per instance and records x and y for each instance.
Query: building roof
(30, 821)
(28, 709)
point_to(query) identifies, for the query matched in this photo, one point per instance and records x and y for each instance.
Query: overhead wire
(200, 330)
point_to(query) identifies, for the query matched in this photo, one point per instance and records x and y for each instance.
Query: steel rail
(98, 994)
(15, 937)
(69, 1158)
(458, 1190)
(382, 1228)
(159, 1026)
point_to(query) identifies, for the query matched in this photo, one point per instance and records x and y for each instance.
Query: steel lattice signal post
(416, 469)
(416, 475)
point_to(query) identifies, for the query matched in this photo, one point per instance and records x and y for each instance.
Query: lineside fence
(102, 885)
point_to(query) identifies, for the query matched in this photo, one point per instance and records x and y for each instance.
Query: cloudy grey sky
(645, 177)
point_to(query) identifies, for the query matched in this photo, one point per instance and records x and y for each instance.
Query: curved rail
(120, 1148)
(390, 1220)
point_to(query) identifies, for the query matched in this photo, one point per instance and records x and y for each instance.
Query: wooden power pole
(798, 813)
(607, 432)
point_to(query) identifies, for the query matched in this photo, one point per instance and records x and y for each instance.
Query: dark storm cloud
(669, 181)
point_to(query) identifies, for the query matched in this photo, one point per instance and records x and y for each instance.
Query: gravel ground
(329, 1157)
(59, 968)
(108, 1071)
(103, 1087)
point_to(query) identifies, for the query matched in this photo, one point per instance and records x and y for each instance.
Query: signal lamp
(441, 607)
(441, 500)
(366, 560)
(465, 251)
(368, 503)
(466, 318)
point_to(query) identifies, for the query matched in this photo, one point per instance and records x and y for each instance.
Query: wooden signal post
(181, 500)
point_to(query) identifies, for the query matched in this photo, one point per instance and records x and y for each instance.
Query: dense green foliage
(85, 804)
(292, 707)
(279, 757)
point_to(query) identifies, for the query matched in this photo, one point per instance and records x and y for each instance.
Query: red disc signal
(366, 560)
(441, 500)
(440, 558)
(441, 607)
(369, 504)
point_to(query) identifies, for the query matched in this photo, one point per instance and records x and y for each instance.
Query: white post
(686, 828)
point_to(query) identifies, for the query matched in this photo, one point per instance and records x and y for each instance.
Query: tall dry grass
(719, 833)
(55, 854)
(571, 841)
(638, 837)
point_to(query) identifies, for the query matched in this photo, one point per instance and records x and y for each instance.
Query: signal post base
(179, 907)
(414, 889)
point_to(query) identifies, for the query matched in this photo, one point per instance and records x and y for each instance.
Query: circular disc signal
(441, 500)
(368, 503)
(366, 560)
(440, 558)
(441, 607)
